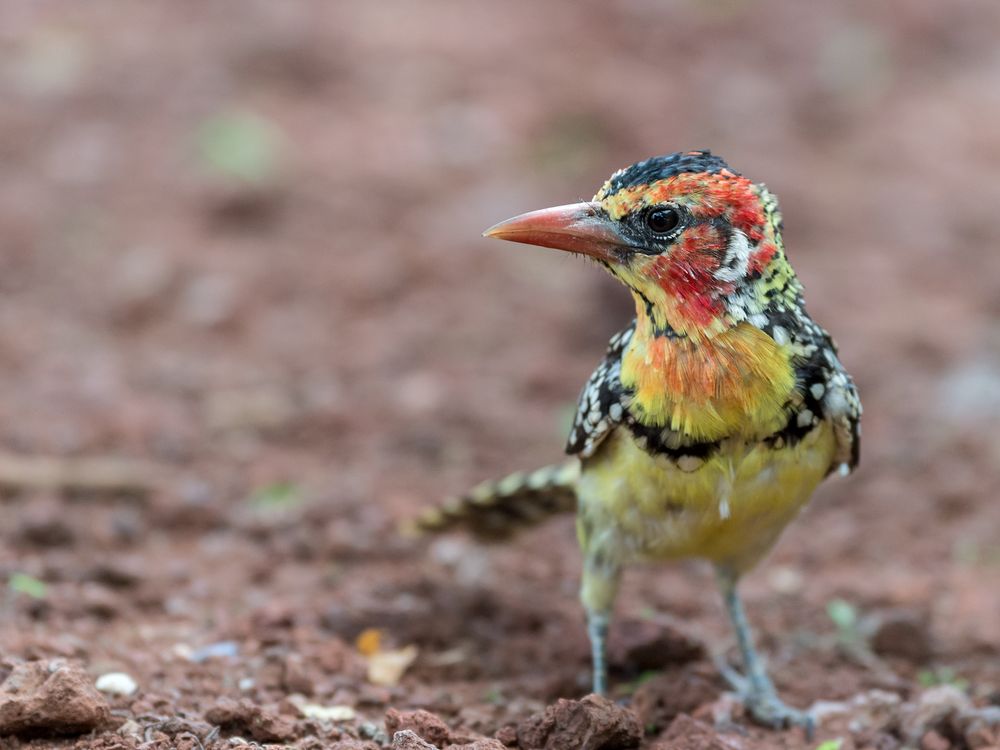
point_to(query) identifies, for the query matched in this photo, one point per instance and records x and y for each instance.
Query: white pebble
(116, 683)
(786, 580)
(327, 713)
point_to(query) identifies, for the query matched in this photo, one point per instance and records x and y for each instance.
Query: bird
(713, 415)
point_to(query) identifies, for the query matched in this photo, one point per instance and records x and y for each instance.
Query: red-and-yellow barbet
(713, 415)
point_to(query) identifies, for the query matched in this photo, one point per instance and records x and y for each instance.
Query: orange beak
(577, 228)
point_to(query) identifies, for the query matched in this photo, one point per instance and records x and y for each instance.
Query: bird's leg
(756, 679)
(597, 631)
(756, 688)
(597, 592)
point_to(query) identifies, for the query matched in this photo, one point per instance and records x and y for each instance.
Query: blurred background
(247, 323)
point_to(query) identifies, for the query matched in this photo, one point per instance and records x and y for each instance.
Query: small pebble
(369, 731)
(220, 650)
(130, 728)
(785, 579)
(409, 740)
(116, 683)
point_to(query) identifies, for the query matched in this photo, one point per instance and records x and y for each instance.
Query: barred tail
(495, 510)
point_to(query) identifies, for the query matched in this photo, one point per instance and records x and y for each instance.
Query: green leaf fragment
(22, 583)
(240, 145)
(843, 614)
(277, 497)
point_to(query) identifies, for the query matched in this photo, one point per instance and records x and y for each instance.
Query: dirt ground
(248, 324)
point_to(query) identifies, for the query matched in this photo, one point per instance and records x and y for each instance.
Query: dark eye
(663, 220)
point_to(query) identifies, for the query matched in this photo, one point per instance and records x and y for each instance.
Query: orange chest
(737, 383)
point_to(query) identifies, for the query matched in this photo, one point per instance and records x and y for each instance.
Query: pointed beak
(577, 228)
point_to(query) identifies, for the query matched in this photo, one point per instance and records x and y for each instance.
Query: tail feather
(496, 510)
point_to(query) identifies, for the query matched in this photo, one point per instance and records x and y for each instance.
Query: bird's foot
(738, 683)
(763, 704)
(769, 710)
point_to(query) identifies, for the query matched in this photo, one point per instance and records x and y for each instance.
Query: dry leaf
(323, 713)
(327, 713)
(386, 668)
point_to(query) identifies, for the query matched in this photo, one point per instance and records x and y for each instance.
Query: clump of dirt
(353, 745)
(484, 743)
(250, 720)
(425, 724)
(687, 733)
(432, 730)
(407, 739)
(675, 691)
(51, 698)
(593, 723)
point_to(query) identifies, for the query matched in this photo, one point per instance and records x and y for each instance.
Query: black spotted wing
(826, 391)
(600, 407)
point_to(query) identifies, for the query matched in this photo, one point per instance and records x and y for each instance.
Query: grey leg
(597, 592)
(597, 630)
(756, 688)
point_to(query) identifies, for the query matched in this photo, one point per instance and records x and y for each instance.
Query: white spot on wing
(835, 402)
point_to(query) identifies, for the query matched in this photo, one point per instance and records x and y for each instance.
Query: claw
(765, 707)
(771, 712)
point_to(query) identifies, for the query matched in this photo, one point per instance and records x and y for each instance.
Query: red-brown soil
(228, 371)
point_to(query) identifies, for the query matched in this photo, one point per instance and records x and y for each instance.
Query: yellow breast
(730, 509)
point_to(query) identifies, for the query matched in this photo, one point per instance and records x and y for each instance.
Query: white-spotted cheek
(737, 261)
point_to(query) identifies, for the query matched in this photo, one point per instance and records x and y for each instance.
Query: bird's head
(697, 244)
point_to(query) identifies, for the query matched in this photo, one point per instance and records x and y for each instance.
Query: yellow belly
(730, 509)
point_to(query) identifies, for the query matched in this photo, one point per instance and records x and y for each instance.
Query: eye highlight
(663, 219)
